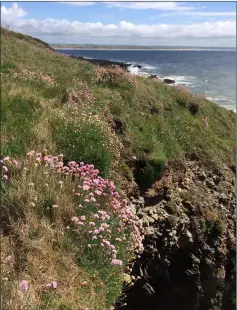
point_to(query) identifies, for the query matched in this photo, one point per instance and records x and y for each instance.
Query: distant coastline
(124, 49)
(135, 48)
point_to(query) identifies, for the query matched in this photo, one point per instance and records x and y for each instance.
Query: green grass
(83, 140)
(18, 116)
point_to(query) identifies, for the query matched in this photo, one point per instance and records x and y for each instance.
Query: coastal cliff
(152, 166)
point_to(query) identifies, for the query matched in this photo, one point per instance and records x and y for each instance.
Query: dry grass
(40, 264)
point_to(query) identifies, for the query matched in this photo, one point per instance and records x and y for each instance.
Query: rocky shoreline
(125, 66)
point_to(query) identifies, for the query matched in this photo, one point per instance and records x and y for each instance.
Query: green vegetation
(97, 116)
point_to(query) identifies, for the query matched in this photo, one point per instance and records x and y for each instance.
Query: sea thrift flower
(84, 283)
(54, 284)
(116, 262)
(9, 259)
(24, 285)
(5, 168)
(74, 219)
(85, 187)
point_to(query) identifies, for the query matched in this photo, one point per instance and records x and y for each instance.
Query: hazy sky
(211, 24)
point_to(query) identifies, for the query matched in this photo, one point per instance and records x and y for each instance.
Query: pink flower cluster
(24, 285)
(84, 93)
(53, 284)
(183, 89)
(29, 75)
(113, 74)
(102, 220)
(6, 164)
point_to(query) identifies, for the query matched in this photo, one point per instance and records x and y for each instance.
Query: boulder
(168, 81)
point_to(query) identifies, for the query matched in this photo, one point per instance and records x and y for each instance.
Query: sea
(207, 72)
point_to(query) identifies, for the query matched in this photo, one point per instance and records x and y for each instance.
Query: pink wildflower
(85, 187)
(15, 162)
(84, 283)
(98, 192)
(24, 285)
(5, 168)
(116, 262)
(8, 259)
(55, 284)
(74, 219)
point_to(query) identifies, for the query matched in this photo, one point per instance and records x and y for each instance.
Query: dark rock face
(193, 108)
(118, 125)
(169, 81)
(153, 77)
(107, 63)
(188, 262)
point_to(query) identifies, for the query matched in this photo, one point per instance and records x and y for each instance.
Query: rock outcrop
(168, 81)
(107, 63)
(188, 262)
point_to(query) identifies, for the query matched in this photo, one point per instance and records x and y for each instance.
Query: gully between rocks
(188, 262)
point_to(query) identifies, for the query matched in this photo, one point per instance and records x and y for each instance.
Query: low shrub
(113, 76)
(34, 76)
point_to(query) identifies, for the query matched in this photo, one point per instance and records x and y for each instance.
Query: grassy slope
(156, 122)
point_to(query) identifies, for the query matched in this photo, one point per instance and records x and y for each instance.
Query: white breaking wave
(229, 107)
(147, 67)
(223, 98)
(133, 69)
(220, 98)
(85, 57)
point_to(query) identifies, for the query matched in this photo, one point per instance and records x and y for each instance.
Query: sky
(210, 24)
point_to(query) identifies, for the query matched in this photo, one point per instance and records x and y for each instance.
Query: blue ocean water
(210, 73)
